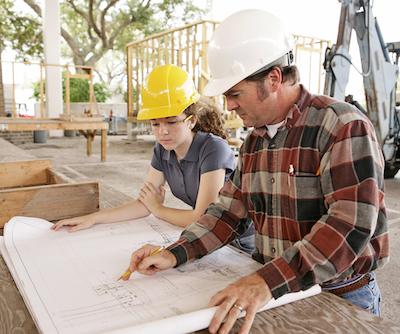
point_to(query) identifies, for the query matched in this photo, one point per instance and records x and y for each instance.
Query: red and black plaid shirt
(315, 192)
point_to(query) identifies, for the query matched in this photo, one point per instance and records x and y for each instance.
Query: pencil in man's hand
(129, 272)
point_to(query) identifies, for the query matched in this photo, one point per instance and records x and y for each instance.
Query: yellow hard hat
(167, 91)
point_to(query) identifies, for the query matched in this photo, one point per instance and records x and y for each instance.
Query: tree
(91, 28)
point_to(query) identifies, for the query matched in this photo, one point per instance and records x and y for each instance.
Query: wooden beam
(50, 202)
(24, 173)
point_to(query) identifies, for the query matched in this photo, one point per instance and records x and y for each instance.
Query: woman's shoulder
(209, 141)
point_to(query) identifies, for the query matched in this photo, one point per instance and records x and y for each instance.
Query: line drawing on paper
(75, 274)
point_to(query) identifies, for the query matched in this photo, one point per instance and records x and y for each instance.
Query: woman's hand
(152, 198)
(78, 223)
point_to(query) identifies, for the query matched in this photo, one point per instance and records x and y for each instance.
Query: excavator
(380, 71)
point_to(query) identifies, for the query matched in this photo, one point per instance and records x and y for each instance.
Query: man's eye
(154, 124)
(172, 122)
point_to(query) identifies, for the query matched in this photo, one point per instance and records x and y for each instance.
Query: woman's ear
(193, 122)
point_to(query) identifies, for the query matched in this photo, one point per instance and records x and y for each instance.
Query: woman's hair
(209, 117)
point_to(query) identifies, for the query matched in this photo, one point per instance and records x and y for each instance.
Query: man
(310, 176)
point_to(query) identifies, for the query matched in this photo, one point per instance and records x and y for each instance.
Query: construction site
(87, 157)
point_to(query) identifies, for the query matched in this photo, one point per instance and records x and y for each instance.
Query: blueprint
(69, 280)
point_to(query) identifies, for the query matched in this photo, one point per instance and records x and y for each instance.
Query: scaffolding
(186, 47)
(81, 72)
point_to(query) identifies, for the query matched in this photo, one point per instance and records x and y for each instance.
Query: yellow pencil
(129, 272)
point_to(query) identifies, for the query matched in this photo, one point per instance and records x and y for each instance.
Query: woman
(190, 154)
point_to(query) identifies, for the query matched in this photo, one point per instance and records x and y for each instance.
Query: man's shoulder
(342, 110)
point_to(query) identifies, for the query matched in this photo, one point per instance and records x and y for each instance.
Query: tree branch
(92, 22)
(34, 6)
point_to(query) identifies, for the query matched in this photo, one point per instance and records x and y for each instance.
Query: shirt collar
(294, 113)
(192, 154)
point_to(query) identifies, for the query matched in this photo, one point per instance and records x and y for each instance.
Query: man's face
(255, 106)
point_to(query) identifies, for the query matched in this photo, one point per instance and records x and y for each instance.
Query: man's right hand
(142, 262)
(77, 223)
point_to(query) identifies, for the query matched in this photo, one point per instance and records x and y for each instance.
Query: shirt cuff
(280, 277)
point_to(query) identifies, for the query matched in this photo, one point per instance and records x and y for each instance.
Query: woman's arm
(210, 184)
(132, 210)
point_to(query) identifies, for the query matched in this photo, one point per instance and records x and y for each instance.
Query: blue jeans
(368, 297)
(245, 244)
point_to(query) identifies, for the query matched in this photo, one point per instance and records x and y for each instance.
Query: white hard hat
(244, 43)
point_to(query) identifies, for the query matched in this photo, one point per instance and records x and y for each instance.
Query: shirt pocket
(305, 192)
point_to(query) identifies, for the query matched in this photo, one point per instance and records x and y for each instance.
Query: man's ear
(274, 79)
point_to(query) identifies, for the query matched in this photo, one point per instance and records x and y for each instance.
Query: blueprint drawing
(70, 279)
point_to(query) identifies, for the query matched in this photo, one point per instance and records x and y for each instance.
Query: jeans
(245, 244)
(368, 297)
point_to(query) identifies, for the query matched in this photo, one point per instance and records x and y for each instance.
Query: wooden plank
(323, 313)
(15, 317)
(55, 177)
(80, 76)
(24, 173)
(10, 152)
(50, 202)
(81, 117)
(32, 125)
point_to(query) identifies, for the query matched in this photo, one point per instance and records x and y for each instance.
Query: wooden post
(41, 92)
(91, 94)
(129, 93)
(13, 85)
(89, 142)
(103, 144)
(67, 92)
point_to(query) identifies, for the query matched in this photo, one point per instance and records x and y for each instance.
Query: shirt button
(290, 126)
(273, 250)
(272, 146)
(272, 180)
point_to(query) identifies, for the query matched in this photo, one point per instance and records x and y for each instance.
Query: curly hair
(209, 117)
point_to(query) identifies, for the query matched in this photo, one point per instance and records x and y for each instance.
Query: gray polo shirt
(207, 152)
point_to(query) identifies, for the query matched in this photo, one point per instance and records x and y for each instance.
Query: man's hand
(151, 198)
(249, 294)
(142, 262)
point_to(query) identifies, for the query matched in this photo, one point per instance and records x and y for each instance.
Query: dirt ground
(126, 168)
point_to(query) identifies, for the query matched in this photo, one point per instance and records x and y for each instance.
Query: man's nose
(231, 104)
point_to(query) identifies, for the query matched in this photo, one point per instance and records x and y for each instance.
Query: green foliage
(90, 29)
(79, 90)
(21, 32)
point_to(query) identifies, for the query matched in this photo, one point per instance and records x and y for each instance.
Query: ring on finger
(239, 307)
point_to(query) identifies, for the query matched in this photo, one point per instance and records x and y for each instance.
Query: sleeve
(222, 222)
(156, 158)
(216, 154)
(351, 238)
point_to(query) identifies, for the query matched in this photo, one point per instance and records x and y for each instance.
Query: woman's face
(173, 132)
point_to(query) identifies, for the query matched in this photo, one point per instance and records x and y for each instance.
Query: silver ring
(239, 307)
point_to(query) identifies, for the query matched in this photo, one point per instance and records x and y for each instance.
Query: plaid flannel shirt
(315, 192)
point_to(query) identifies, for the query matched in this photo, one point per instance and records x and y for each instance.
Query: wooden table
(87, 128)
(323, 313)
